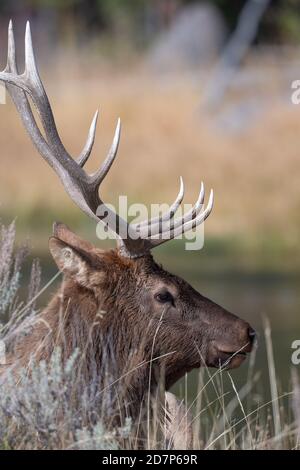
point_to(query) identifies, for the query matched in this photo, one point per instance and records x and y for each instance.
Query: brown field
(255, 174)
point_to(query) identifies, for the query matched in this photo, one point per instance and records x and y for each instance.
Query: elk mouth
(219, 356)
(230, 359)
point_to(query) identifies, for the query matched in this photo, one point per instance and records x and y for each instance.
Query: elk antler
(134, 239)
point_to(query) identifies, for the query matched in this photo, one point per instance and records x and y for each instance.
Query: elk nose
(251, 334)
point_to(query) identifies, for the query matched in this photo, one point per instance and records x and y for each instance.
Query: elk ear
(63, 232)
(74, 262)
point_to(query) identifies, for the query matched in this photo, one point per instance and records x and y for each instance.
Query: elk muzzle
(231, 349)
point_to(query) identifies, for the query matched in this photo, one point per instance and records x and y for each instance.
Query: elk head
(143, 303)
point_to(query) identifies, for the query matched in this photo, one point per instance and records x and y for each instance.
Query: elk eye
(164, 297)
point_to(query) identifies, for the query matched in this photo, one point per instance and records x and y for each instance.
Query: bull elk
(118, 306)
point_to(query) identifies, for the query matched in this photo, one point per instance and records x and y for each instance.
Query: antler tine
(86, 152)
(190, 225)
(194, 211)
(11, 65)
(158, 228)
(193, 223)
(99, 175)
(37, 92)
(31, 70)
(163, 217)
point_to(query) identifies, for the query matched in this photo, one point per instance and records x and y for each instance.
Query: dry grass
(255, 175)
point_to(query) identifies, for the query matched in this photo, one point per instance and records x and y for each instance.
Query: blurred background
(204, 91)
